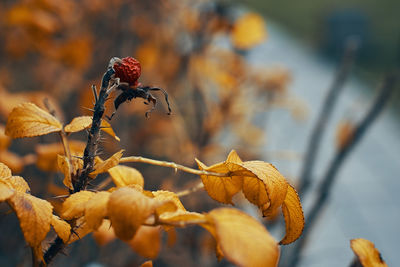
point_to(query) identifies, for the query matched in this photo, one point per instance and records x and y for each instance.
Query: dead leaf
(366, 253)
(344, 134)
(248, 31)
(65, 168)
(108, 163)
(147, 241)
(242, 239)
(28, 120)
(123, 175)
(96, 209)
(34, 215)
(294, 217)
(62, 228)
(74, 205)
(81, 229)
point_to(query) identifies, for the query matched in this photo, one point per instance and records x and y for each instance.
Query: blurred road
(365, 200)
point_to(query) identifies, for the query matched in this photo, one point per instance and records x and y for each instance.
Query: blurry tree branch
(323, 118)
(325, 187)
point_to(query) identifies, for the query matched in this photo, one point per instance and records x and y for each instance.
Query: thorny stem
(329, 178)
(171, 165)
(94, 134)
(89, 154)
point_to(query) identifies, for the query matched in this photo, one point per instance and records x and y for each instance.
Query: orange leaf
(84, 122)
(344, 134)
(147, 241)
(366, 253)
(12, 160)
(62, 228)
(242, 239)
(248, 31)
(294, 217)
(147, 264)
(74, 205)
(124, 175)
(222, 189)
(268, 191)
(128, 209)
(34, 216)
(4, 139)
(108, 163)
(27, 120)
(65, 168)
(96, 209)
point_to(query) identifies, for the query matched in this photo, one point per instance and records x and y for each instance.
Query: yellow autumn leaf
(34, 215)
(108, 163)
(222, 189)
(171, 201)
(268, 191)
(294, 217)
(147, 241)
(74, 205)
(18, 184)
(127, 209)
(47, 154)
(78, 124)
(106, 127)
(104, 234)
(62, 228)
(366, 253)
(123, 175)
(65, 168)
(5, 172)
(84, 122)
(96, 209)
(242, 239)
(248, 31)
(5, 191)
(27, 120)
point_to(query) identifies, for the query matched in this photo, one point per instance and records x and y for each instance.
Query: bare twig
(329, 178)
(172, 165)
(193, 189)
(324, 115)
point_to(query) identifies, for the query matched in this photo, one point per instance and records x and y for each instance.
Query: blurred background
(250, 75)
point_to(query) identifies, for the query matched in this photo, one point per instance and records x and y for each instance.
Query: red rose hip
(128, 70)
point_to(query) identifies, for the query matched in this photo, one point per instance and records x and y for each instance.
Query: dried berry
(128, 70)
